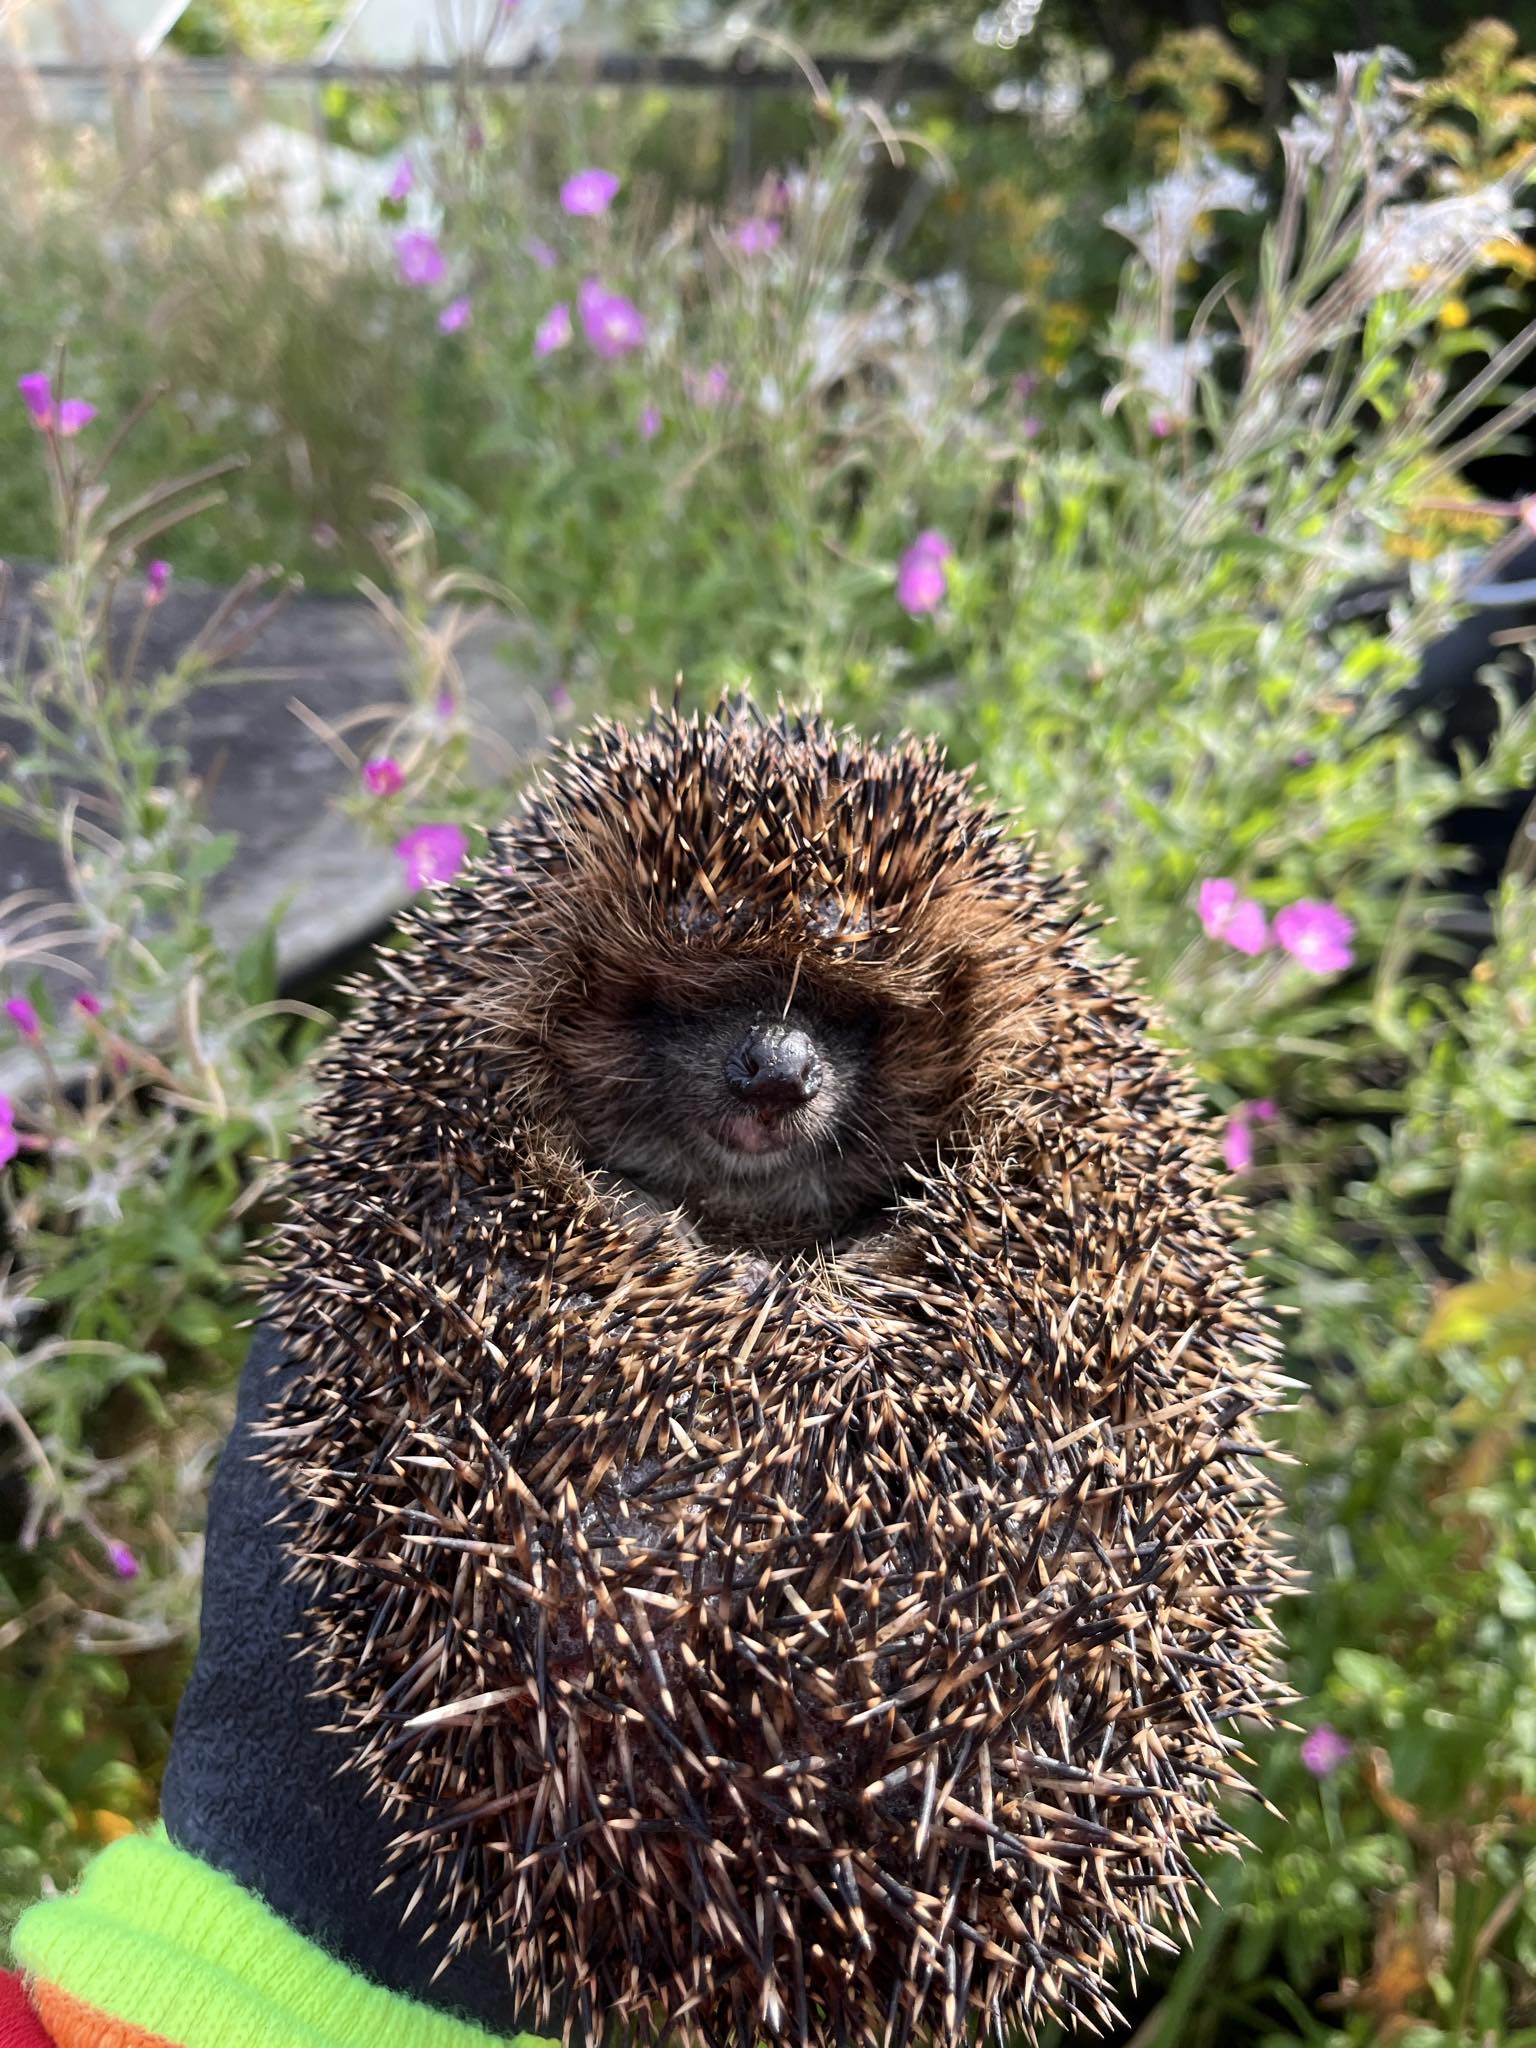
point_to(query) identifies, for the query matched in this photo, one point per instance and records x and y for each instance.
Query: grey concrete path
(273, 780)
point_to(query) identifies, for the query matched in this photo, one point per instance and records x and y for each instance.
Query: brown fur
(825, 1645)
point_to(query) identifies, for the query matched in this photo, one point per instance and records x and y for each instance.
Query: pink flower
(756, 237)
(382, 775)
(25, 1018)
(420, 259)
(157, 579)
(36, 390)
(1236, 920)
(324, 535)
(89, 1005)
(445, 706)
(560, 700)
(1161, 425)
(64, 419)
(454, 316)
(1237, 1139)
(10, 1144)
(922, 582)
(122, 1561)
(1237, 1143)
(542, 254)
(432, 853)
(1316, 934)
(1029, 426)
(1323, 1750)
(712, 388)
(400, 185)
(589, 192)
(650, 423)
(553, 331)
(1024, 385)
(612, 324)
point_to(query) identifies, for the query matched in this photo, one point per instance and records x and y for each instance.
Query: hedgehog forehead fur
(833, 1647)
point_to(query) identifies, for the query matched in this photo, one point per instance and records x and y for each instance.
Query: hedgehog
(776, 1437)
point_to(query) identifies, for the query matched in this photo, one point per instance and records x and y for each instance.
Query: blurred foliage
(1157, 453)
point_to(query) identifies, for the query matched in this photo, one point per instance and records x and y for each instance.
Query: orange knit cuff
(75, 2025)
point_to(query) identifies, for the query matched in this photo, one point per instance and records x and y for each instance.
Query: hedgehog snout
(775, 1068)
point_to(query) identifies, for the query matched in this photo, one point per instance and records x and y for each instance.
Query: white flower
(1435, 234)
(1168, 371)
(1163, 220)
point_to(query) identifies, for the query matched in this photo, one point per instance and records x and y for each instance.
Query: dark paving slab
(271, 779)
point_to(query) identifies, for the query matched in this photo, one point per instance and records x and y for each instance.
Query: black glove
(252, 1786)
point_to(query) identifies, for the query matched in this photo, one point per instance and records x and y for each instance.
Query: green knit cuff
(157, 1938)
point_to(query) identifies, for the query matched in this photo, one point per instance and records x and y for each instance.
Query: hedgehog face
(764, 1120)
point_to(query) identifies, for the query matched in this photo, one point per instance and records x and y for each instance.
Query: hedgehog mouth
(742, 1135)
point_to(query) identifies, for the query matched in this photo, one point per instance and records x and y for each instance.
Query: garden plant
(744, 435)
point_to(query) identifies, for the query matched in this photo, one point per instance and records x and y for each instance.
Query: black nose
(774, 1067)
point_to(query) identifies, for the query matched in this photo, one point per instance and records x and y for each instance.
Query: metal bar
(860, 74)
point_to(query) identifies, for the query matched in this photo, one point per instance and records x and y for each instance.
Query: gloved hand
(252, 1791)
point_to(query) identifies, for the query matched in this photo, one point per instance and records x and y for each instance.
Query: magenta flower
(650, 423)
(420, 259)
(10, 1144)
(400, 185)
(382, 775)
(1162, 426)
(922, 581)
(36, 390)
(157, 579)
(454, 316)
(612, 324)
(445, 706)
(432, 853)
(122, 1561)
(1317, 935)
(25, 1018)
(1237, 1139)
(553, 331)
(757, 236)
(64, 419)
(712, 388)
(88, 1004)
(542, 254)
(1323, 1749)
(1235, 920)
(588, 193)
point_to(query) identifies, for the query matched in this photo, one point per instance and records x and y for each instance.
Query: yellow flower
(1454, 313)
(111, 1827)
(1517, 256)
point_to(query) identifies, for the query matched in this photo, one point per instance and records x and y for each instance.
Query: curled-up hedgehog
(781, 1507)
